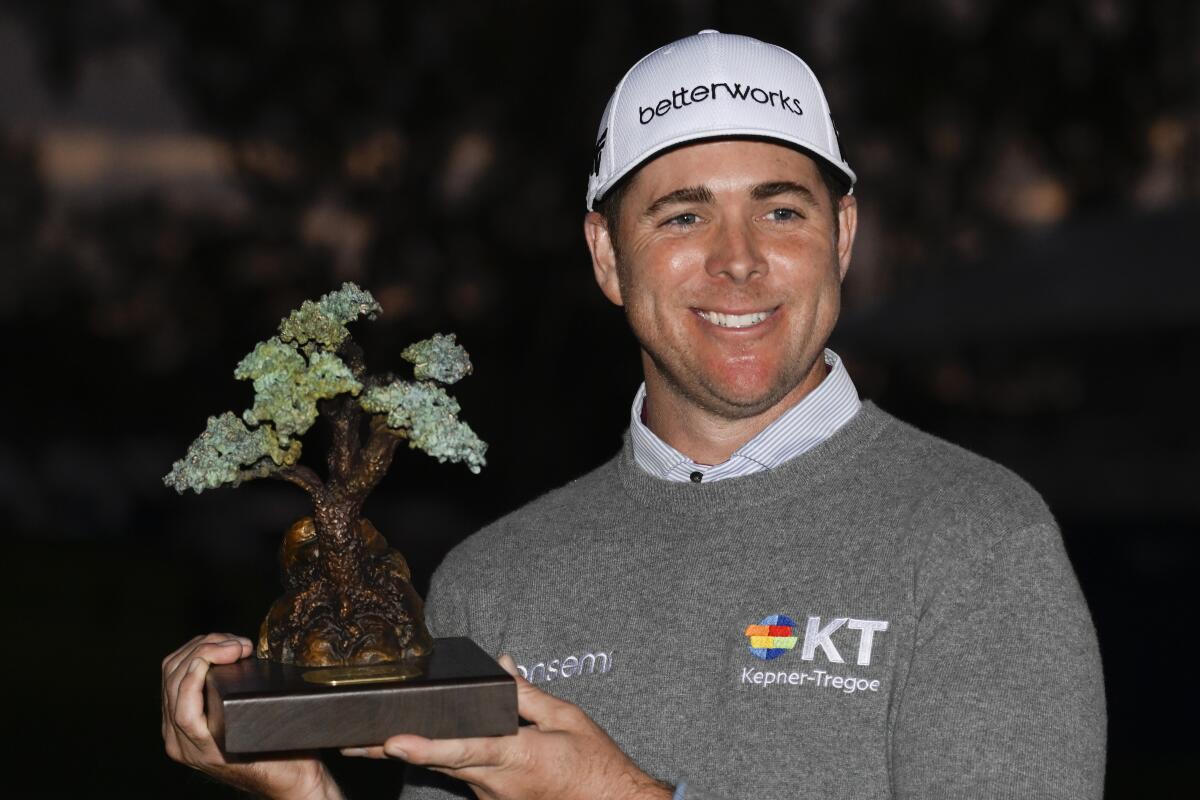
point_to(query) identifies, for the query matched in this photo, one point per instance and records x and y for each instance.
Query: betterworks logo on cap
(705, 92)
(705, 86)
(772, 637)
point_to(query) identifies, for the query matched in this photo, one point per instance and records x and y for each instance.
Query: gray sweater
(887, 615)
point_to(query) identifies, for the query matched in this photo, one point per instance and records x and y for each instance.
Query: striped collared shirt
(804, 426)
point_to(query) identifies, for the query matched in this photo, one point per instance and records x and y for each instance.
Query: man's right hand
(188, 740)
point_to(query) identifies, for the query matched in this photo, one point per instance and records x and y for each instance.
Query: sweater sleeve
(444, 616)
(1004, 695)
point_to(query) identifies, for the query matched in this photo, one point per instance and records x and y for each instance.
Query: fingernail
(238, 642)
(354, 751)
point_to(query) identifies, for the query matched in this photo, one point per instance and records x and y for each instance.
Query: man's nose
(736, 253)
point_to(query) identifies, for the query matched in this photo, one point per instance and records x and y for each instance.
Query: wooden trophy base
(257, 706)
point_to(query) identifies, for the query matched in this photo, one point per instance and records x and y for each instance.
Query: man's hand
(188, 741)
(563, 755)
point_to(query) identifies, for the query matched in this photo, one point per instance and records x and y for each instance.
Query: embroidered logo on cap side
(598, 151)
(772, 637)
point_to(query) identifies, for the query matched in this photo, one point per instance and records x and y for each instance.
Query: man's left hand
(561, 755)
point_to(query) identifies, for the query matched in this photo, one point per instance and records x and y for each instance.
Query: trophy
(343, 657)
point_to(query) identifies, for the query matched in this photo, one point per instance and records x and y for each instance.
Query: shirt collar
(817, 416)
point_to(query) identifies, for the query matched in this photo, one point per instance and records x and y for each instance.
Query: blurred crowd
(264, 151)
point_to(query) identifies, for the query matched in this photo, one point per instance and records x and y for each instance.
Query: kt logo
(775, 635)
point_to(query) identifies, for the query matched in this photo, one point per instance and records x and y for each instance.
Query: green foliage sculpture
(348, 597)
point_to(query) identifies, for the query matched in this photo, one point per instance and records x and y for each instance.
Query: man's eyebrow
(765, 191)
(688, 194)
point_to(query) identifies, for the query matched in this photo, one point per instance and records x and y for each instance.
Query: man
(774, 589)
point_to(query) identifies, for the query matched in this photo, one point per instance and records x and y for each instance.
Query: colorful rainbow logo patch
(772, 637)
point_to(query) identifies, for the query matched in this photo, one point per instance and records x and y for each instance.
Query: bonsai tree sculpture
(348, 597)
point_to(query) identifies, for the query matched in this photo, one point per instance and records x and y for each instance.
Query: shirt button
(697, 477)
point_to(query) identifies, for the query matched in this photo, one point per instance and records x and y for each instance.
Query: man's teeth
(734, 320)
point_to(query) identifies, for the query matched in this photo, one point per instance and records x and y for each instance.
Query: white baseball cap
(708, 86)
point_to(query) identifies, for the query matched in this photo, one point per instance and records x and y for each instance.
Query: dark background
(176, 176)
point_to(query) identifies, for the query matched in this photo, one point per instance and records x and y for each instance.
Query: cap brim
(754, 134)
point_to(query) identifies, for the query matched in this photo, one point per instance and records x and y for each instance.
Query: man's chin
(739, 405)
(739, 400)
(735, 392)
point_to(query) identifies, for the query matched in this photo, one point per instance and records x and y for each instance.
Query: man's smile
(730, 320)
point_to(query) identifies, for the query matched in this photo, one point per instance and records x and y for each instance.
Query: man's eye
(784, 214)
(683, 219)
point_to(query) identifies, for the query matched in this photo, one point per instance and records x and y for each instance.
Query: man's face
(730, 273)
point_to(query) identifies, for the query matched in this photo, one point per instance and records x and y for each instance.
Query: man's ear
(604, 256)
(847, 222)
